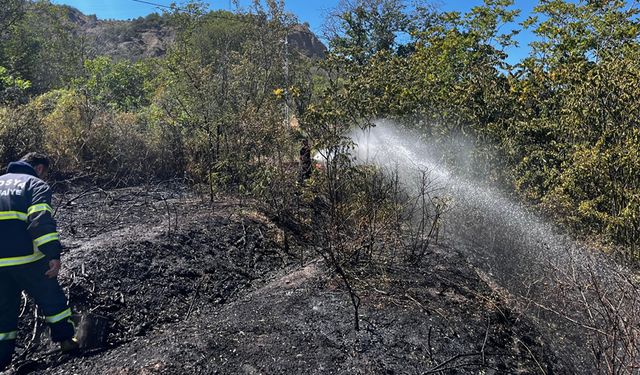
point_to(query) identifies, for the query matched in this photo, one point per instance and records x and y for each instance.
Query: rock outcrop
(151, 36)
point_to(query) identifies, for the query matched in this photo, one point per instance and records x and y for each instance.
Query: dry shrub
(590, 305)
(365, 219)
(20, 132)
(274, 185)
(115, 152)
(122, 150)
(104, 146)
(66, 119)
(601, 300)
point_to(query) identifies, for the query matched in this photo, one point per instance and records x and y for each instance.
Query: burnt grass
(185, 285)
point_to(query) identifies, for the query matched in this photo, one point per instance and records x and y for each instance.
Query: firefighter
(30, 254)
(305, 161)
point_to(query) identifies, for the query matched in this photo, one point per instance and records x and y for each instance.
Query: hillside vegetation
(222, 102)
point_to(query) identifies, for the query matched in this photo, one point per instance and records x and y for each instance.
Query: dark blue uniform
(28, 241)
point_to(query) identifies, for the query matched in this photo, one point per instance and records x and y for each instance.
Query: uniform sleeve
(42, 226)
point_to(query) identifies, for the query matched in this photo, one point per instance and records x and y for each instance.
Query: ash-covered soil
(191, 286)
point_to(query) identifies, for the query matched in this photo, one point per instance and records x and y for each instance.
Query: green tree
(574, 140)
(12, 89)
(120, 85)
(10, 13)
(228, 83)
(360, 29)
(43, 46)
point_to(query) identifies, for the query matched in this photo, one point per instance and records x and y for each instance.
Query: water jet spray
(553, 277)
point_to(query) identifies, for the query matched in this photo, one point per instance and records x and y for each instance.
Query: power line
(158, 5)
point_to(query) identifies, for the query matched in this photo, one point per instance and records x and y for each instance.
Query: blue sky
(311, 11)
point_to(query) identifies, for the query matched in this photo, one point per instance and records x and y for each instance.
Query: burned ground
(187, 285)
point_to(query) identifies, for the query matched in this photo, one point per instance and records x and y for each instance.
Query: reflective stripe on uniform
(46, 239)
(16, 261)
(38, 208)
(58, 317)
(13, 215)
(6, 336)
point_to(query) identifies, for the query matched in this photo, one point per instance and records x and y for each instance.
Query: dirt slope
(220, 290)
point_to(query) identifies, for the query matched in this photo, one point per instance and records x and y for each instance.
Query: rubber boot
(69, 346)
(6, 350)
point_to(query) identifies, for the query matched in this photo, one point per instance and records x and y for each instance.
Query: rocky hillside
(150, 36)
(305, 41)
